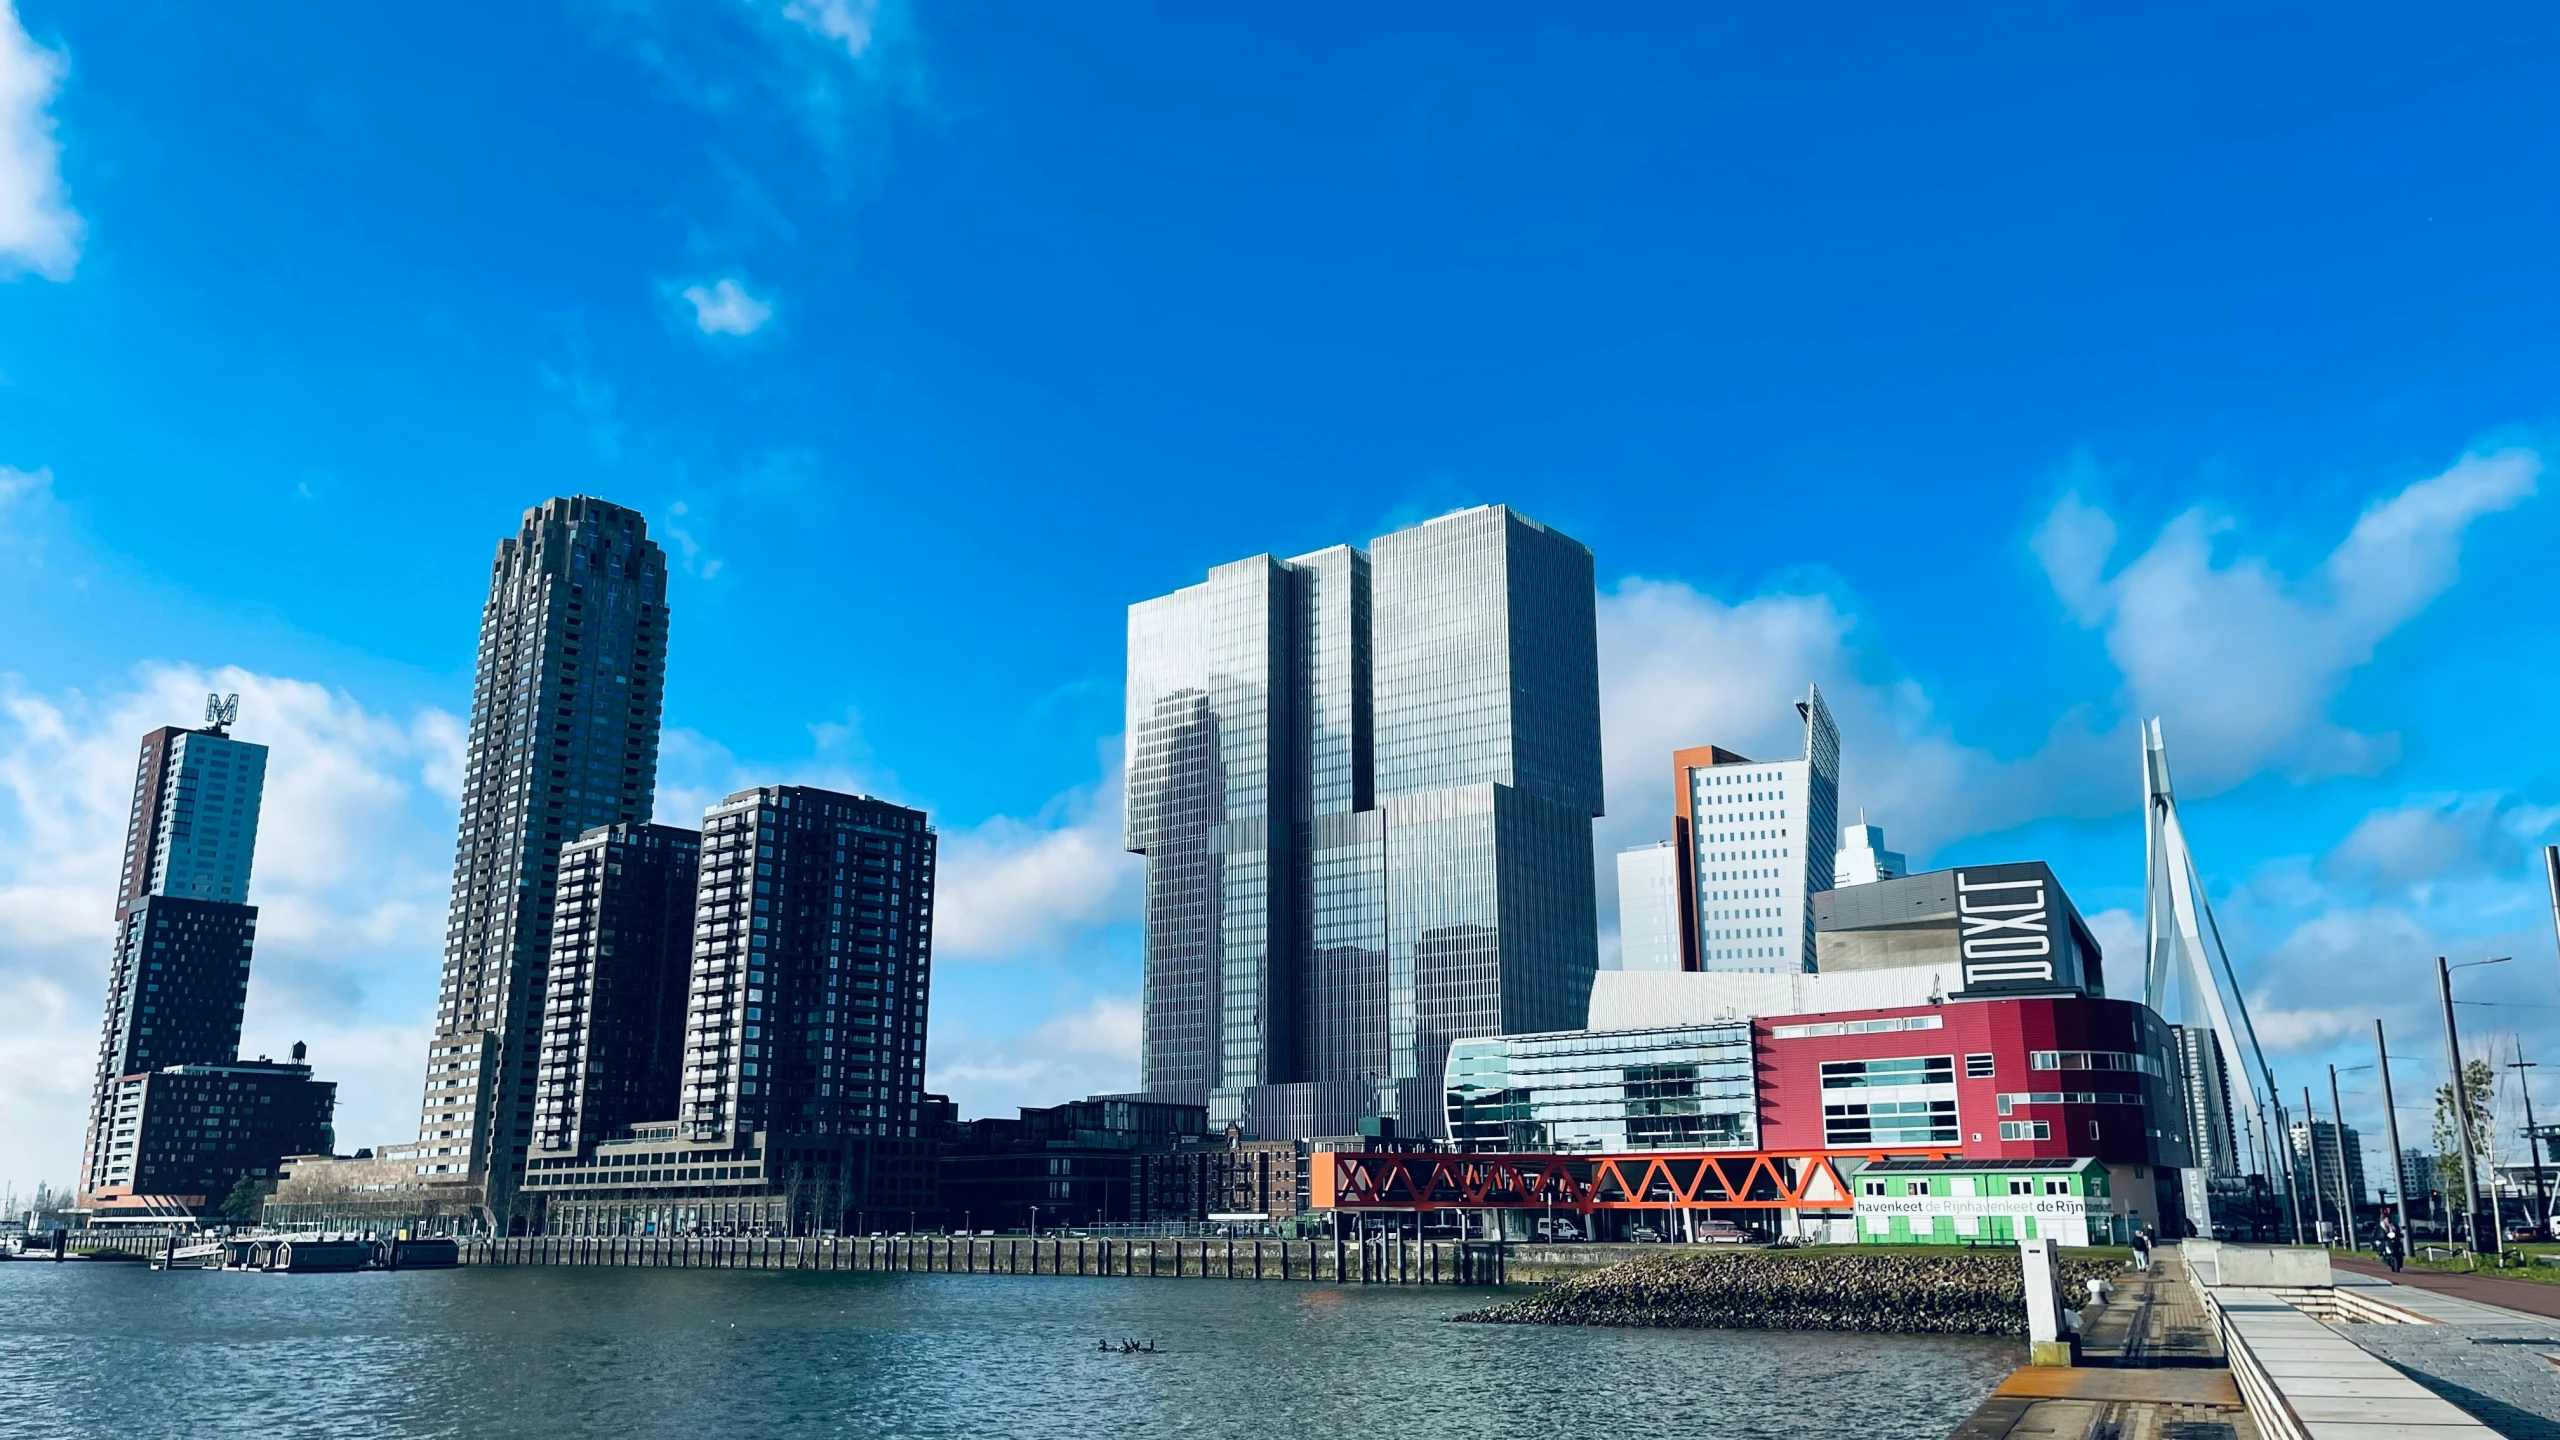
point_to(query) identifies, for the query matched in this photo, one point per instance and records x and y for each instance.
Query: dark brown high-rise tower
(564, 736)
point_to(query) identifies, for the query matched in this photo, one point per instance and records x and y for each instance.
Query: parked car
(1643, 1235)
(1557, 1230)
(1722, 1232)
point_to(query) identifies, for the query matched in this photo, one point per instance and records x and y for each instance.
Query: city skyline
(2212, 385)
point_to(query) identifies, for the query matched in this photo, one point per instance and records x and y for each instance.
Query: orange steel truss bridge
(1636, 1180)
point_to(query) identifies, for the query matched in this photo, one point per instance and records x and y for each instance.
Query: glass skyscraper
(1364, 785)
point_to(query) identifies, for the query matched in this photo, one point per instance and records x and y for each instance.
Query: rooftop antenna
(2184, 941)
(220, 711)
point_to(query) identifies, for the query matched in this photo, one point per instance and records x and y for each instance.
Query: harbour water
(119, 1350)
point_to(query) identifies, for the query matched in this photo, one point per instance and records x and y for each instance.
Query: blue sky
(2012, 374)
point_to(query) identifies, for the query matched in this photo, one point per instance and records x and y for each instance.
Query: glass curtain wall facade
(1347, 867)
(564, 737)
(1488, 716)
(1685, 1088)
(1211, 741)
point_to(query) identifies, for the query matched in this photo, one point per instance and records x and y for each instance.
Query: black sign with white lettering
(2013, 932)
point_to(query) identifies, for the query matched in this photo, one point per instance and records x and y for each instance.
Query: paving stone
(2509, 1388)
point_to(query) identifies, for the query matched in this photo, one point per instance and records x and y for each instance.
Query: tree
(2482, 1083)
(247, 1198)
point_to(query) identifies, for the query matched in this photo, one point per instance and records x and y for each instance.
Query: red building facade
(2040, 1078)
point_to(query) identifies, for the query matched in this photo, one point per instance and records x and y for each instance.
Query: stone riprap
(1873, 1290)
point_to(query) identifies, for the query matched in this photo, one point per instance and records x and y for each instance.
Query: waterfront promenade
(2358, 1358)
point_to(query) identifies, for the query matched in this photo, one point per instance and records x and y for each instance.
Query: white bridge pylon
(2184, 942)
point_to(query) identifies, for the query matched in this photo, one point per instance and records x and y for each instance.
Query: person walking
(2141, 1250)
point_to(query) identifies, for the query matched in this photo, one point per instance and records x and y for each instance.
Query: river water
(117, 1350)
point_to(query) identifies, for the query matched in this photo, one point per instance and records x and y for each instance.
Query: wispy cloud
(39, 231)
(726, 308)
(849, 23)
(842, 71)
(2243, 660)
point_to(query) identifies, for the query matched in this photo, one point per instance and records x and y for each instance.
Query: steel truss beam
(1641, 1180)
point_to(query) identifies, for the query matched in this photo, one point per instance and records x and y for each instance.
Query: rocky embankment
(1845, 1289)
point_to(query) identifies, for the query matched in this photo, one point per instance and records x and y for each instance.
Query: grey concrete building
(564, 736)
(1364, 785)
(1985, 929)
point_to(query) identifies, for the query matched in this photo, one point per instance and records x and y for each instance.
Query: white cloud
(349, 878)
(39, 231)
(2428, 838)
(725, 308)
(2244, 662)
(22, 490)
(850, 23)
(1087, 1051)
(1679, 668)
(2119, 934)
(1013, 889)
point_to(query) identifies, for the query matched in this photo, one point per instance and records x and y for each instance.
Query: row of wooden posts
(1378, 1261)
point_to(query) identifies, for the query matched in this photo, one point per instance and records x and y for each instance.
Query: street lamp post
(2462, 1105)
(2541, 1196)
(2311, 1155)
(2391, 1128)
(2346, 1193)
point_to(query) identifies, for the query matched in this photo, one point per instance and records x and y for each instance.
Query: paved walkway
(2501, 1365)
(2533, 1297)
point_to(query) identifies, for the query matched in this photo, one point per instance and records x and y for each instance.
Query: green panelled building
(1957, 1202)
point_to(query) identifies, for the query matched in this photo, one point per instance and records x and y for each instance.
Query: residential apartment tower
(564, 736)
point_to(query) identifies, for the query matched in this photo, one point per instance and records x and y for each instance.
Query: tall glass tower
(564, 736)
(1364, 787)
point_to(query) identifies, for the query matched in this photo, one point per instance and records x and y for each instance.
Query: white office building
(1744, 828)
(1649, 907)
(1863, 860)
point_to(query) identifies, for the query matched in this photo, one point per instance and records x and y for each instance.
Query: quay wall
(1376, 1262)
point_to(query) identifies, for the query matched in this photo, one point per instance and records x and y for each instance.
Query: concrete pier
(2150, 1367)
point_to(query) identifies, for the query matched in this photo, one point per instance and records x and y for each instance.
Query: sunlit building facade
(1756, 842)
(1649, 907)
(1364, 785)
